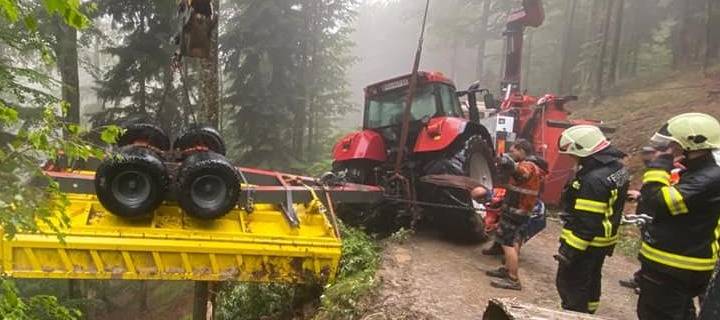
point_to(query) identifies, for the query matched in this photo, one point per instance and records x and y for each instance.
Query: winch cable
(411, 94)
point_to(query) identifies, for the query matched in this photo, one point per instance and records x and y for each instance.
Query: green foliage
(355, 279)
(402, 235)
(285, 62)
(69, 10)
(33, 131)
(140, 84)
(14, 307)
(258, 301)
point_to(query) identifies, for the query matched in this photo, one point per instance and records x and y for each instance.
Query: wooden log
(512, 309)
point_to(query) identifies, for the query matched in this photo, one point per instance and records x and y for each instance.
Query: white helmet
(582, 141)
(692, 131)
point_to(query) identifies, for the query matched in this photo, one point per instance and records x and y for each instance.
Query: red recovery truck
(440, 139)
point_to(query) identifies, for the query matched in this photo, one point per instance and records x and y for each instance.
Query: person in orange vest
(523, 190)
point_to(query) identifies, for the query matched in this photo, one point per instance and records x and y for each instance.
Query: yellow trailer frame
(169, 245)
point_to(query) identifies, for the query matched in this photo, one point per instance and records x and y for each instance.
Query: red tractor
(395, 149)
(440, 141)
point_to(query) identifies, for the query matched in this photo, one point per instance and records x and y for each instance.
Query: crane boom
(531, 15)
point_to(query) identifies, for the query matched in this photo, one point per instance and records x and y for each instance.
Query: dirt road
(428, 278)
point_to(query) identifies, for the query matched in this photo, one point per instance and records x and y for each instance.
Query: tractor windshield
(386, 109)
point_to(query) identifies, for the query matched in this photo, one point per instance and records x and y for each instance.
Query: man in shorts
(523, 190)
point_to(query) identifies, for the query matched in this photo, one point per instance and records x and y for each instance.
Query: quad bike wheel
(132, 183)
(201, 137)
(472, 159)
(146, 134)
(208, 185)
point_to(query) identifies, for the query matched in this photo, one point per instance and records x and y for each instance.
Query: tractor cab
(385, 104)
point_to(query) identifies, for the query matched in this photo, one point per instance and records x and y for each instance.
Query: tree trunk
(528, 61)
(143, 94)
(482, 41)
(300, 117)
(67, 58)
(614, 56)
(590, 46)
(680, 43)
(453, 59)
(143, 306)
(570, 9)
(712, 39)
(600, 71)
(200, 301)
(210, 83)
(312, 132)
(308, 73)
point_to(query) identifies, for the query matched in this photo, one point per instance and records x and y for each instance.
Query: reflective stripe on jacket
(686, 227)
(593, 202)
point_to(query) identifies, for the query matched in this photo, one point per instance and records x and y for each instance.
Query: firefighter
(523, 190)
(680, 247)
(647, 155)
(593, 202)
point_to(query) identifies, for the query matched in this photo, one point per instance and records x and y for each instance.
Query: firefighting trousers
(579, 281)
(663, 297)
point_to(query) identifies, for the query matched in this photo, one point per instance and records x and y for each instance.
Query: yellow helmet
(692, 131)
(582, 141)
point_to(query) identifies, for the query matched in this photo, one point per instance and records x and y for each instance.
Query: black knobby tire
(208, 185)
(473, 158)
(132, 183)
(144, 132)
(205, 136)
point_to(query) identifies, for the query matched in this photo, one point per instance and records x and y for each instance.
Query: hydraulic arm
(531, 15)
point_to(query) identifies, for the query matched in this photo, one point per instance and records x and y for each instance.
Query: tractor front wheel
(474, 159)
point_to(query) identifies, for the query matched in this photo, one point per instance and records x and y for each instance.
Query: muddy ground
(429, 278)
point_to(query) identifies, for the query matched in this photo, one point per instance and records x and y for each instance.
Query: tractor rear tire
(133, 183)
(146, 133)
(475, 159)
(208, 185)
(206, 137)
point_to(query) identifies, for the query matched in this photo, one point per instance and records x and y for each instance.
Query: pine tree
(140, 83)
(285, 65)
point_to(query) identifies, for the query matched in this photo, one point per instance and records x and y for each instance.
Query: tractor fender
(441, 132)
(366, 144)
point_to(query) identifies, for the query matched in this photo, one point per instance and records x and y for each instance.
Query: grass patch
(339, 300)
(629, 242)
(356, 278)
(401, 236)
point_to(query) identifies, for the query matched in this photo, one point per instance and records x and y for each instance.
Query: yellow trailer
(259, 246)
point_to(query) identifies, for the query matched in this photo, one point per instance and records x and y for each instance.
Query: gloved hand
(662, 161)
(567, 254)
(506, 162)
